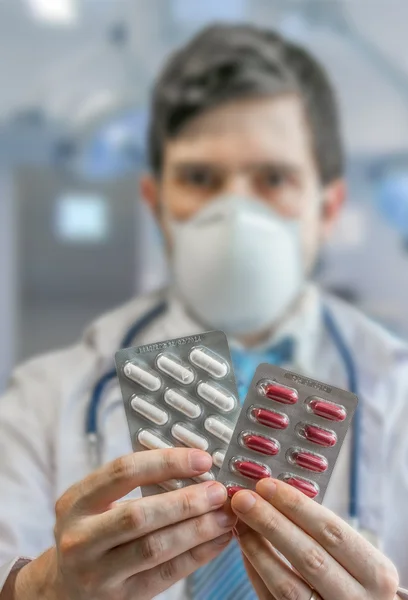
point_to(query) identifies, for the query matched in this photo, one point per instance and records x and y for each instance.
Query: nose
(238, 184)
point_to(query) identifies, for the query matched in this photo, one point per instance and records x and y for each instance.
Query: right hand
(135, 549)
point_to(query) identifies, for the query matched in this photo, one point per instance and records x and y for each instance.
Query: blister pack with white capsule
(290, 428)
(180, 392)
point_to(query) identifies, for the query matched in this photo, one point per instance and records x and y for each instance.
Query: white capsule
(219, 429)
(215, 396)
(142, 376)
(188, 437)
(149, 410)
(180, 402)
(175, 368)
(208, 361)
(171, 485)
(218, 458)
(204, 477)
(151, 441)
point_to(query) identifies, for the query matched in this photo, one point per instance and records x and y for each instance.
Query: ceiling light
(63, 12)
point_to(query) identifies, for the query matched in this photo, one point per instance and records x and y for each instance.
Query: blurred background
(75, 77)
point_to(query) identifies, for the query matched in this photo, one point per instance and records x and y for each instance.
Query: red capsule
(307, 487)
(307, 460)
(269, 418)
(327, 410)
(233, 489)
(279, 393)
(319, 436)
(250, 469)
(260, 444)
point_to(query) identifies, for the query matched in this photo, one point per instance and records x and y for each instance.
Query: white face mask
(237, 264)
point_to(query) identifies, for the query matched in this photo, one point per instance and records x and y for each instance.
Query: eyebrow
(280, 166)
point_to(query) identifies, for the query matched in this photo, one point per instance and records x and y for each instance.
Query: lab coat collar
(304, 325)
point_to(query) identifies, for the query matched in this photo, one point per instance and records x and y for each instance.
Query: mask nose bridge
(224, 209)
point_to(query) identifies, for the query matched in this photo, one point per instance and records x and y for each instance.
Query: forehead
(256, 129)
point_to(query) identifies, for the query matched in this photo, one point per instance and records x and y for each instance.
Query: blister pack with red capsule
(180, 392)
(290, 428)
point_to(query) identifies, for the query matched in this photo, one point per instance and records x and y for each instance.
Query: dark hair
(225, 63)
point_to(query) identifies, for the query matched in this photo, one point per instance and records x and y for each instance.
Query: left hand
(327, 555)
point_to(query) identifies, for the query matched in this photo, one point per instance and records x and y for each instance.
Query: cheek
(180, 204)
(311, 236)
(163, 221)
(169, 199)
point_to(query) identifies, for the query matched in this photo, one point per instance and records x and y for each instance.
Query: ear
(334, 196)
(149, 190)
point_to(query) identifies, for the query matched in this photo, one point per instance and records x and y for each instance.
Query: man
(247, 181)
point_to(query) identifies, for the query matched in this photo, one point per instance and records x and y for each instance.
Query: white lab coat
(42, 419)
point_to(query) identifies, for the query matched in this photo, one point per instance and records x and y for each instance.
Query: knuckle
(386, 578)
(332, 534)
(69, 546)
(169, 571)
(199, 527)
(132, 518)
(121, 469)
(151, 548)
(186, 504)
(169, 462)
(270, 525)
(287, 590)
(197, 554)
(293, 501)
(314, 562)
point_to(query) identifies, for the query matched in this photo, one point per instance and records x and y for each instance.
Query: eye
(272, 178)
(200, 177)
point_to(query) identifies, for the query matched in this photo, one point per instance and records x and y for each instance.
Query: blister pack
(180, 392)
(290, 428)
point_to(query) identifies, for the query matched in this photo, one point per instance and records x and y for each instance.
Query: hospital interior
(75, 239)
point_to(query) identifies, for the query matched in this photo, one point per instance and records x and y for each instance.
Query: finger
(120, 477)
(312, 561)
(340, 540)
(121, 503)
(136, 518)
(163, 545)
(151, 583)
(277, 577)
(260, 588)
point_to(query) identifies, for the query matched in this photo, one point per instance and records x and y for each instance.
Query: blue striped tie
(225, 577)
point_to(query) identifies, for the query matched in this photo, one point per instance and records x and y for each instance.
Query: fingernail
(243, 502)
(267, 488)
(217, 494)
(200, 461)
(224, 519)
(223, 539)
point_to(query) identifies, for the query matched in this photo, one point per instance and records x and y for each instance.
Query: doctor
(247, 181)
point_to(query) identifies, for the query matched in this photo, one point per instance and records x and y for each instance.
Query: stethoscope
(341, 346)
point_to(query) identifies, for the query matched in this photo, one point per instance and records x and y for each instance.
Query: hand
(134, 549)
(327, 555)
